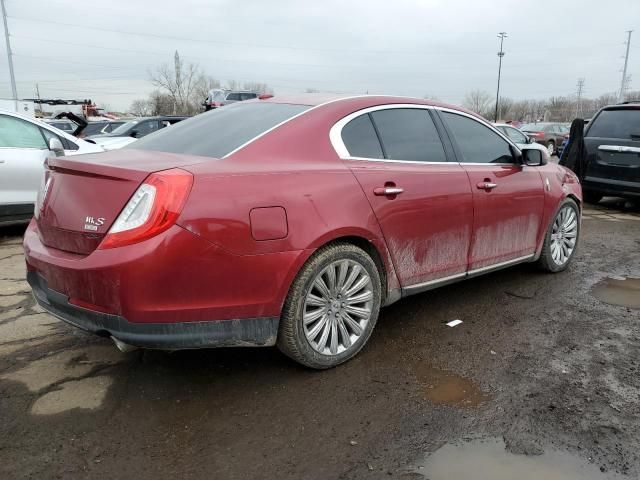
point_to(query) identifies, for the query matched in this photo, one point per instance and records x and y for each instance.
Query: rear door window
(360, 138)
(477, 142)
(616, 123)
(18, 133)
(409, 134)
(219, 131)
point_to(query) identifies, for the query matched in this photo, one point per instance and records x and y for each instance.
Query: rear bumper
(608, 186)
(171, 336)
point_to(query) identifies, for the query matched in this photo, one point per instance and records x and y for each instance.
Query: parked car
(66, 126)
(519, 138)
(218, 97)
(25, 143)
(548, 134)
(291, 221)
(612, 142)
(99, 128)
(129, 131)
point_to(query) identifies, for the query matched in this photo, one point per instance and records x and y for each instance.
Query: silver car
(25, 143)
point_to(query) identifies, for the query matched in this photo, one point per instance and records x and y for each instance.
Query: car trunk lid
(85, 194)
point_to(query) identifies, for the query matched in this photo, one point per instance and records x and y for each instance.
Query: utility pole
(501, 36)
(14, 91)
(623, 83)
(579, 97)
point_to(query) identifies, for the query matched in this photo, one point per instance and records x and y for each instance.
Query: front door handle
(486, 185)
(386, 191)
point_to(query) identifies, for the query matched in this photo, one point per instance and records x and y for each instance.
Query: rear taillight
(537, 134)
(43, 191)
(153, 208)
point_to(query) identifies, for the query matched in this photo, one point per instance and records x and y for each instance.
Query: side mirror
(530, 140)
(533, 157)
(134, 134)
(56, 147)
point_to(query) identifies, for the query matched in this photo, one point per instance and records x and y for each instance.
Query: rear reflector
(153, 208)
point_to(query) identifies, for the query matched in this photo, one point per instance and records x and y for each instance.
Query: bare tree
(179, 82)
(204, 84)
(141, 107)
(505, 106)
(478, 101)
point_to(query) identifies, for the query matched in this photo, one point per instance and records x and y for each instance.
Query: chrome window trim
(335, 133)
(288, 120)
(485, 124)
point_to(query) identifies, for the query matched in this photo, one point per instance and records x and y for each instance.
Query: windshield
(124, 128)
(533, 127)
(220, 131)
(616, 123)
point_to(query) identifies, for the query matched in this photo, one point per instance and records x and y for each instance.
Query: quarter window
(18, 133)
(360, 138)
(477, 142)
(409, 134)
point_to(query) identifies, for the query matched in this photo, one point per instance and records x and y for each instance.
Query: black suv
(612, 140)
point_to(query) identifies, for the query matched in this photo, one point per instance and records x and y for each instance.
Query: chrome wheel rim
(337, 307)
(564, 235)
(550, 149)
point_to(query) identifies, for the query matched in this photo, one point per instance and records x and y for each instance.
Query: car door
(508, 197)
(422, 201)
(23, 150)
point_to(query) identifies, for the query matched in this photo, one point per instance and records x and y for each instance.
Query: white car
(25, 143)
(519, 138)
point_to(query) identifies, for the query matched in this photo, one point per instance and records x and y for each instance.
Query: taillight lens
(45, 185)
(153, 208)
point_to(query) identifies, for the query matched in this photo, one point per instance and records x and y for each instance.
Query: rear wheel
(331, 308)
(551, 147)
(561, 240)
(591, 197)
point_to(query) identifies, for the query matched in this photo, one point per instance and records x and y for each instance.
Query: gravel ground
(540, 368)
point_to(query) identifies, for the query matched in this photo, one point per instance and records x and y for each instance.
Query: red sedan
(290, 222)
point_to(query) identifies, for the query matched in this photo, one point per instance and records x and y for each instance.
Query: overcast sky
(103, 49)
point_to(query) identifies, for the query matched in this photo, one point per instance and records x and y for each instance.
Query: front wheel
(331, 308)
(561, 240)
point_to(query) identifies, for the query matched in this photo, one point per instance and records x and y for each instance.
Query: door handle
(486, 185)
(384, 191)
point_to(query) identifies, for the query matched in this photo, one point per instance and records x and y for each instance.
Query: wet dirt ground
(541, 376)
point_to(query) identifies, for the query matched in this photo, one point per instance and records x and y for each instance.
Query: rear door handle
(486, 185)
(384, 191)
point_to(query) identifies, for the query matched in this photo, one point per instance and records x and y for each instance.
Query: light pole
(14, 91)
(501, 36)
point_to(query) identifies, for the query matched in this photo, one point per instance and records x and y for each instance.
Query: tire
(296, 337)
(551, 147)
(591, 197)
(550, 260)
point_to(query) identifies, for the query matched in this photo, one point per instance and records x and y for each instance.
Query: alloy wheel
(564, 235)
(337, 307)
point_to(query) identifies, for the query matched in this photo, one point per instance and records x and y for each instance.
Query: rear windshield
(616, 124)
(220, 131)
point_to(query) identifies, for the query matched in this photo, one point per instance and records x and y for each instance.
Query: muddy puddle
(618, 291)
(446, 388)
(489, 460)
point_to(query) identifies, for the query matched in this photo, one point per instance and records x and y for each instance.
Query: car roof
(318, 99)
